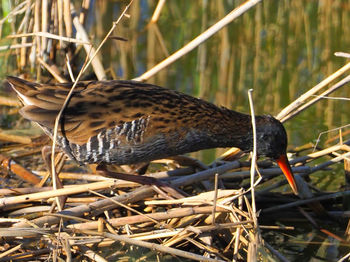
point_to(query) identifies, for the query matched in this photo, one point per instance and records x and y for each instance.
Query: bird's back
(122, 121)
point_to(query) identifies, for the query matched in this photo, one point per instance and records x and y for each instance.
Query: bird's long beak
(283, 163)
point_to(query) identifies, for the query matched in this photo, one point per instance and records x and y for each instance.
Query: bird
(127, 122)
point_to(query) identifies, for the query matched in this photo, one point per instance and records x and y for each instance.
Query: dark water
(280, 49)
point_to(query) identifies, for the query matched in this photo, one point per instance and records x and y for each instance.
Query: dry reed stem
(165, 233)
(201, 198)
(199, 39)
(30, 210)
(97, 207)
(44, 19)
(82, 176)
(204, 175)
(255, 239)
(215, 197)
(28, 255)
(157, 11)
(15, 46)
(18, 170)
(52, 36)
(60, 19)
(330, 90)
(15, 138)
(126, 207)
(153, 217)
(52, 71)
(85, 7)
(10, 251)
(24, 232)
(25, 23)
(238, 232)
(58, 192)
(302, 99)
(91, 254)
(254, 158)
(22, 190)
(67, 17)
(90, 50)
(151, 246)
(78, 200)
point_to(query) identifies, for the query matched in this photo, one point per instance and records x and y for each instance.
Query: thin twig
(216, 179)
(253, 161)
(254, 242)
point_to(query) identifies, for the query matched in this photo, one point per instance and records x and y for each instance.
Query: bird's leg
(139, 169)
(183, 160)
(159, 186)
(59, 162)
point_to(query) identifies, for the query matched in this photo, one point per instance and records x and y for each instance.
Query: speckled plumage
(126, 122)
(131, 120)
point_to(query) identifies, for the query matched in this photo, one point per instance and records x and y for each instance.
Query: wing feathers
(98, 105)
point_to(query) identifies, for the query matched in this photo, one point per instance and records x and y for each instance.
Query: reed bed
(184, 208)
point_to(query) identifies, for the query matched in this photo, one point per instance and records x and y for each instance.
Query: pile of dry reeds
(186, 208)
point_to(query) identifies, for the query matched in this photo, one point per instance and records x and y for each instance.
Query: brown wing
(99, 105)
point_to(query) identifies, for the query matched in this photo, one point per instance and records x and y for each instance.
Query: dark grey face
(271, 137)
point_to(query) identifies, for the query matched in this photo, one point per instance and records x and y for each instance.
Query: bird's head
(272, 142)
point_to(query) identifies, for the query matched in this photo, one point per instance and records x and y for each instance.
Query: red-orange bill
(287, 171)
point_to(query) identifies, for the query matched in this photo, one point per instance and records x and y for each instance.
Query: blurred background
(280, 49)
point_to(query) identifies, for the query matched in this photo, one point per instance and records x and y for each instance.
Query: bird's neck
(236, 130)
(221, 127)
